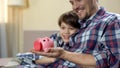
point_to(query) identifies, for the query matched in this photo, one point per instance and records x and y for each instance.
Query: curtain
(14, 31)
(3, 39)
(3, 45)
(11, 32)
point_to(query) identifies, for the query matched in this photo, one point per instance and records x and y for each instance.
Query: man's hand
(52, 52)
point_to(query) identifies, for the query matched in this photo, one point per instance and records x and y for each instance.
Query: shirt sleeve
(108, 55)
(54, 38)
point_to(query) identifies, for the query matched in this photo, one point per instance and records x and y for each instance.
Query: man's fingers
(49, 54)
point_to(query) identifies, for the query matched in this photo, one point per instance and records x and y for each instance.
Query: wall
(111, 5)
(43, 14)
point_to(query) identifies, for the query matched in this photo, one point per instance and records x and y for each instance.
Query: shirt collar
(85, 23)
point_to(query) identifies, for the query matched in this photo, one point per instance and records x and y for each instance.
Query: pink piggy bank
(43, 44)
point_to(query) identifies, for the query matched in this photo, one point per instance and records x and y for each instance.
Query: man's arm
(77, 58)
(80, 59)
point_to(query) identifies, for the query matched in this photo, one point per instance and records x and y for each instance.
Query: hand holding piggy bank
(43, 44)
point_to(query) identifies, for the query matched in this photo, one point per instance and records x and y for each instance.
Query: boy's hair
(69, 18)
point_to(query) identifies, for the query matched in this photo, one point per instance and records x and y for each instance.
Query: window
(3, 11)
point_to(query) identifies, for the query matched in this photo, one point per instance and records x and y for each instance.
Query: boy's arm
(45, 60)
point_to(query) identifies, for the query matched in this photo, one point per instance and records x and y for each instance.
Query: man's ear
(95, 3)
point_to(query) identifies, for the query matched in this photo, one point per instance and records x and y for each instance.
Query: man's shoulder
(112, 15)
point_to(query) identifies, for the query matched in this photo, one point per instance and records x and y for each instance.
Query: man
(98, 41)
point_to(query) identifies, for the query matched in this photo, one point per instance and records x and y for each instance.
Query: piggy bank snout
(38, 45)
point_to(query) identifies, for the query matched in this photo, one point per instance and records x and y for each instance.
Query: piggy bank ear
(38, 44)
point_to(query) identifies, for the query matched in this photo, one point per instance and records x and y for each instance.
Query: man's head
(84, 8)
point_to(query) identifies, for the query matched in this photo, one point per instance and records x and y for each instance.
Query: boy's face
(83, 8)
(66, 31)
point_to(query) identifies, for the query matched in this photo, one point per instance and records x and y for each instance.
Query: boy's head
(68, 23)
(69, 18)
